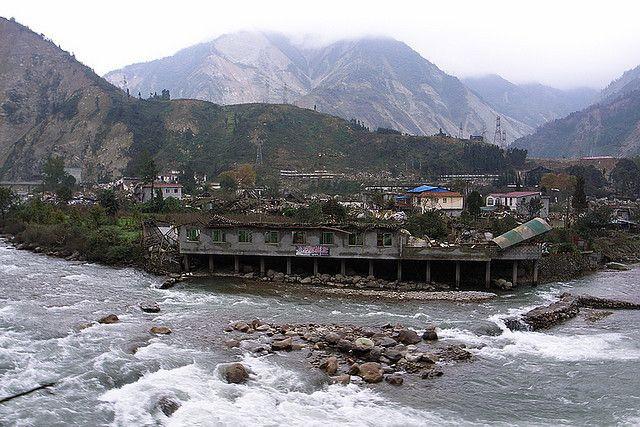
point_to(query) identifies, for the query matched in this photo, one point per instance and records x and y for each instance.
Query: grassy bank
(87, 232)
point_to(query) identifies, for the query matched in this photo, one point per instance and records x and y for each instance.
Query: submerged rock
(168, 405)
(109, 319)
(234, 373)
(150, 307)
(394, 379)
(343, 379)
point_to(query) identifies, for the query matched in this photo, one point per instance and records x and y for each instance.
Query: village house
(164, 189)
(428, 198)
(520, 202)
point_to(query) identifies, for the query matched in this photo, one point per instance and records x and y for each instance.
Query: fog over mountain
(379, 81)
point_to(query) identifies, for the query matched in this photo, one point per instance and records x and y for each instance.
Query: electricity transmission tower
(497, 136)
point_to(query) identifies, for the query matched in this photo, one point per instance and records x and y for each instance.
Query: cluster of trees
(242, 176)
(56, 179)
(626, 178)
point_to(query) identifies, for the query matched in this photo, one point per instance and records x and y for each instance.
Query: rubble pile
(354, 353)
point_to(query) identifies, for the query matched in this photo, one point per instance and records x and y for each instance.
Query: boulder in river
(371, 372)
(168, 405)
(284, 344)
(330, 365)
(430, 335)
(408, 336)
(160, 330)
(109, 319)
(241, 327)
(234, 373)
(150, 307)
(343, 379)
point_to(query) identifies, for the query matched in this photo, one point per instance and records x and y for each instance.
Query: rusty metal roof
(523, 232)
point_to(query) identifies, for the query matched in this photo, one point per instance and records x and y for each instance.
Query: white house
(519, 201)
(165, 189)
(427, 198)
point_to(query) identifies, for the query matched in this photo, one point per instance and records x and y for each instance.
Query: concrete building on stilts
(381, 250)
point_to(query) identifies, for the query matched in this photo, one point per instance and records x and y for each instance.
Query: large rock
(160, 330)
(241, 327)
(371, 372)
(234, 373)
(547, 316)
(383, 340)
(330, 365)
(150, 307)
(430, 335)
(408, 336)
(363, 344)
(284, 344)
(168, 405)
(332, 338)
(111, 318)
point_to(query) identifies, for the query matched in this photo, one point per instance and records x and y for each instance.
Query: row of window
(298, 237)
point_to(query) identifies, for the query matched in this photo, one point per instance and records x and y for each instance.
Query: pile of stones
(354, 353)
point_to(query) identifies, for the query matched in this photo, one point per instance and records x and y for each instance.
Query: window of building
(491, 201)
(218, 236)
(356, 239)
(444, 200)
(326, 238)
(385, 239)
(299, 237)
(271, 237)
(193, 234)
(245, 236)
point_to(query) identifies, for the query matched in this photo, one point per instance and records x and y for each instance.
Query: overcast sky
(563, 43)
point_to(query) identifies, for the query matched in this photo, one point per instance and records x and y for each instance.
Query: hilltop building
(164, 189)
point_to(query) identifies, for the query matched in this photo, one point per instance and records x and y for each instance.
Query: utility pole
(284, 93)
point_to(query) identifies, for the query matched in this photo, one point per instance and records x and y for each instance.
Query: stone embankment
(567, 307)
(353, 353)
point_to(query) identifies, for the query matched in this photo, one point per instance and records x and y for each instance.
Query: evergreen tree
(579, 201)
(474, 203)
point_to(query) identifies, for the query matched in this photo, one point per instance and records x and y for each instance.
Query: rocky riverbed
(120, 351)
(347, 353)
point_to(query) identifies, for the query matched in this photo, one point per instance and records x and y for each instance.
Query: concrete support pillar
(289, 265)
(428, 278)
(236, 263)
(343, 267)
(315, 266)
(457, 274)
(210, 263)
(370, 267)
(187, 266)
(535, 272)
(487, 274)
(262, 267)
(514, 279)
(399, 270)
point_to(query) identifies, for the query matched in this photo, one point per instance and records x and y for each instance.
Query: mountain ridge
(378, 80)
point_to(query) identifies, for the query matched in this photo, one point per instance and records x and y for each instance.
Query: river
(581, 372)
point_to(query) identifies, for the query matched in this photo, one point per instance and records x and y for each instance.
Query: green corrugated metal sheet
(522, 232)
